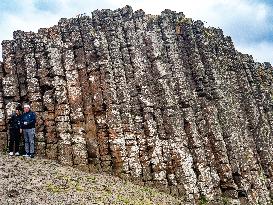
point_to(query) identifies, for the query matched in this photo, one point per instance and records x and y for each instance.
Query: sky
(248, 22)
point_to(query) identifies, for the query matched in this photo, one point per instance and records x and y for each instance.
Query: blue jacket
(28, 120)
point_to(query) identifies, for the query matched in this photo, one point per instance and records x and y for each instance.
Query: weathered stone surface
(158, 99)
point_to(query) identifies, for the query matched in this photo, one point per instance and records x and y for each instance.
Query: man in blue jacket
(28, 121)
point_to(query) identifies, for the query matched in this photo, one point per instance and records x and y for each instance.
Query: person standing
(28, 121)
(14, 132)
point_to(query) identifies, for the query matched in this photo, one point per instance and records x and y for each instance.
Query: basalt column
(159, 99)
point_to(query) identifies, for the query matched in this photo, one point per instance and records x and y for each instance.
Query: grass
(5, 149)
(92, 179)
(123, 199)
(67, 184)
(57, 183)
(184, 20)
(225, 201)
(53, 188)
(203, 200)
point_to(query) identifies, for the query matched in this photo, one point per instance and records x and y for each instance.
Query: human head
(18, 110)
(26, 108)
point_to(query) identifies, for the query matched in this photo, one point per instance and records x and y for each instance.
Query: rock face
(158, 99)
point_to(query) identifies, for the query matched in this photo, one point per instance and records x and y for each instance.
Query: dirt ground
(39, 181)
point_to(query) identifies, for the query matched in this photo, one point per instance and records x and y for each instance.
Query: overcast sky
(248, 22)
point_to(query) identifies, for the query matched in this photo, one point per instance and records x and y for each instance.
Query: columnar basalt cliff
(159, 99)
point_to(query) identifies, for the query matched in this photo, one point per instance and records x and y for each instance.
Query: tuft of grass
(79, 188)
(123, 199)
(149, 191)
(203, 200)
(92, 179)
(107, 189)
(262, 175)
(53, 188)
(184, 20)
(207, 33)
(5, 149)
(225, 201)
(68, 184)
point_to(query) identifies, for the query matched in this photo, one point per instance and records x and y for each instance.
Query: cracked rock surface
(158, 99)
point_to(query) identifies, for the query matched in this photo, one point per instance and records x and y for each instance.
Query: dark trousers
(14, 139)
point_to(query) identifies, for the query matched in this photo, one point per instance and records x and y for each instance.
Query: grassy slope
(40, 181)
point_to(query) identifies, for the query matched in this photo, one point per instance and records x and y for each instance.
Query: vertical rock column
(88, 68)
(135, 162)
(70, 56)
(123, 141)
(257, 109)
(60, 97)
(103, 88)
(189, 122)
(3, 129)
(10, 90)
(34, 96)
(73, 58)
(138, 149)
(209, 125)
(45, 78)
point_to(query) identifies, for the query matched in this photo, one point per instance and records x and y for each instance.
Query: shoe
(11, 154)
(25, 155)
(17, 154)
(31, 155)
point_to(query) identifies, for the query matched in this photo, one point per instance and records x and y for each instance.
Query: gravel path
(39, 181)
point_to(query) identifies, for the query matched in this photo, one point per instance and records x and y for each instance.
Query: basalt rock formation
(160, 99)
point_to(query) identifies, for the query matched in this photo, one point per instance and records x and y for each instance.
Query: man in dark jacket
(28, 121)
(14, 132)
